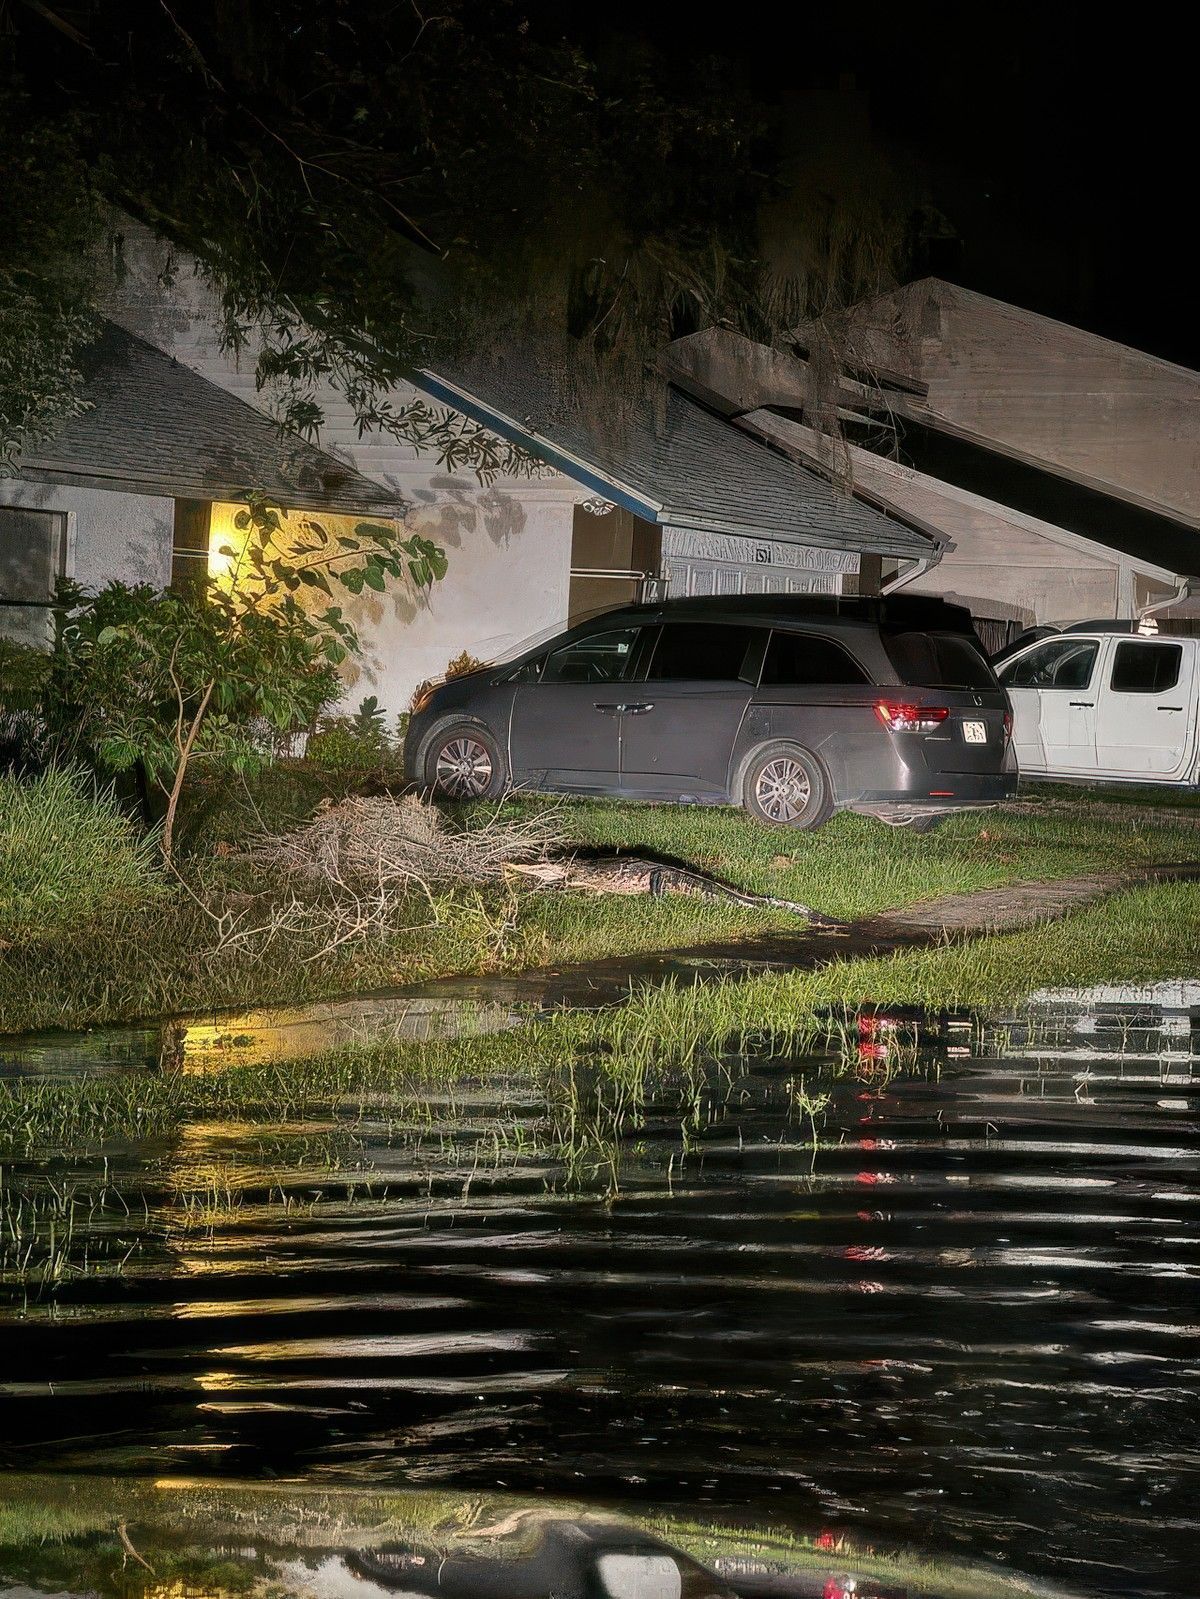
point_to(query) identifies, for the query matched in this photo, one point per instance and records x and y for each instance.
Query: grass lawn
(855, 866)
(155, 957)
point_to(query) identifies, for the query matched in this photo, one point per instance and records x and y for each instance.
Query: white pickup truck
(1116, 706)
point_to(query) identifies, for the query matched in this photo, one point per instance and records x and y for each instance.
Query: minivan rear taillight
(1007, 725)
(900, 718)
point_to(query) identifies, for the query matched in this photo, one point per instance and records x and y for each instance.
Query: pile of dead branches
(403, 843)
(370, 868)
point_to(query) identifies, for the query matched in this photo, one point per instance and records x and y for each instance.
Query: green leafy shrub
(160, 685)
(358, 742)
(23, 673)
(66, 852)
(163, 680)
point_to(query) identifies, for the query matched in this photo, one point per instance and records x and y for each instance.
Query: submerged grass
(61, 1532)
(1146, 935)
(1150, 933)
(566, 1096)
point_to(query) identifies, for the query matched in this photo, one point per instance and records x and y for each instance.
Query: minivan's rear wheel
(785, 786)
(463, 761)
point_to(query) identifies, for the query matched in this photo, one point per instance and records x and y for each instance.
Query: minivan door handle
(1169, 707)
(640, 709)
(1083, 705)
(607, 709)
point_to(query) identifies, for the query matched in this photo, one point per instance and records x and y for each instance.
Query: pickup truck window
(1142, 668)
(1058, 663)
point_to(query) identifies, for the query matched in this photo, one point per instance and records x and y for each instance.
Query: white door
(1146, 709)
(1052, 687)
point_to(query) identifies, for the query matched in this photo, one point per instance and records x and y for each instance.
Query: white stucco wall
(126, 537)
(508, 545)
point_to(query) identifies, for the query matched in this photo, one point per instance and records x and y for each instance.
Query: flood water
(934, 1288)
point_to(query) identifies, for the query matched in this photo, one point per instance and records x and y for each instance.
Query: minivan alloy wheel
(783, 789)
(464, 768)
(784, 785)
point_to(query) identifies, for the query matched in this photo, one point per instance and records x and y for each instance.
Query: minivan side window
(704, 652)
(1144, 668)
(1058, 663)
(599, 658)
(804, 658)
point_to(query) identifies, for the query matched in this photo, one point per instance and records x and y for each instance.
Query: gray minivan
(794, 707)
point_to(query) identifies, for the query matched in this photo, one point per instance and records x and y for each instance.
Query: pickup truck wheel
(784, 785)
(463, 761)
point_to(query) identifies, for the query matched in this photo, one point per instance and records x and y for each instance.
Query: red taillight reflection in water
(875, 1035)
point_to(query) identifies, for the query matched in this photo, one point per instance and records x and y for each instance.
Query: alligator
(618, 873)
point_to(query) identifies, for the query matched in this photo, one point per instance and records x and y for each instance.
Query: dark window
(32, 559)
(938, 660)
(1146, 668)
(599, 658)
(31, 555)
(1058, 663)
(804, 658)
(701, 652)
(189, 552)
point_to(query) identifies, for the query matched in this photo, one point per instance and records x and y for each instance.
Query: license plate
(975, 732)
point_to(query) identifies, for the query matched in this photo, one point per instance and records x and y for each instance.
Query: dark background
(1058, 141)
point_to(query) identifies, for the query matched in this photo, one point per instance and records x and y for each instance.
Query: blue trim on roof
(568, 465)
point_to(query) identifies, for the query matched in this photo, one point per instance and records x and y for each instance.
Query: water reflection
(934, 1287)
(567, 1560)
(178, 1541)
(252, 1037)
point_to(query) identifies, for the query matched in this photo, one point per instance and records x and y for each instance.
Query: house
(676, 500)
(1059, 472)
(130, 488)
(1046, 505)
(680, 499)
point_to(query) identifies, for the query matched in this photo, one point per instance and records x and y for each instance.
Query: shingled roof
(156, 427)
(687, 469)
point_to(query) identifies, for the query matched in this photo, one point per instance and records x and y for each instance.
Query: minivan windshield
(938, 660)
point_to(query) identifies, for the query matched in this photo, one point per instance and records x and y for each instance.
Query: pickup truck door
(1052, 687)
(1146, 709)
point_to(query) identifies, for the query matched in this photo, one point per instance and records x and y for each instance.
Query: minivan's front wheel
(785, 786)
(463, 761)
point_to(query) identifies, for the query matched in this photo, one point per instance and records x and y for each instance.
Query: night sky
(1062, 149)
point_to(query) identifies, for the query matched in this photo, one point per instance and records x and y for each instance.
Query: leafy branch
(160, 681)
